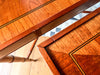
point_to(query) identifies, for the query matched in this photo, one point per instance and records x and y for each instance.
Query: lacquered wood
(63, 63)
(70, 28)
(89, 55)
(91, 63)
(16, 29)
(15, 8)
(66, 49)
(40, 28)
(78, 36)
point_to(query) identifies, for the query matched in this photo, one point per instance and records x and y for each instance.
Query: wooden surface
(13, 29)
(89, 55)
(77, 51)
(78, 36)
(27, 68)
(15, 8)
(15, 26)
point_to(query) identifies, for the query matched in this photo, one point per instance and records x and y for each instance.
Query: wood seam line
(27, 13)
(83, 73)
(33, 45)
(79, 47)
(85, 43)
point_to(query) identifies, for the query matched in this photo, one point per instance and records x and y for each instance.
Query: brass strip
(77, 64)
(78, 48)
(27, 13)
(85, 43)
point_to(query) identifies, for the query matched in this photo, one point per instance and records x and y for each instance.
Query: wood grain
(34, 21)
(39, 29)
(89, 63)
(88, 57)
(70, 28)
(63, 63)
(15, 8)
(63, 46)
(78, 36)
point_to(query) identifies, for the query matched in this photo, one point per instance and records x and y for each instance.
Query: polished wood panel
(88, 57)
(39, 29)
(16, 29)
(77, 37)
(89, 63)
(15, 8)
(70, 43)
(63, 63)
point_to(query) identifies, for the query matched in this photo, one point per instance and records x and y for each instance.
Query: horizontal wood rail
(9, 47)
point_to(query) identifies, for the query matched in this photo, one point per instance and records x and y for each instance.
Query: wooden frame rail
(7, 50)
(43, 45)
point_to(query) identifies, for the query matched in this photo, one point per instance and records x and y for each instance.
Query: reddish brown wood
(76, 24)
(87, 11)
(63, 63)
(12, 9)
(88, 57)
(63, 46)
(70, 28)
(33, 24)
(33, 21)
(91, 63)
(98, 40)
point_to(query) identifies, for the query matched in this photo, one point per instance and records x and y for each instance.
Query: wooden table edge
(36, 27)
(70, 28)
(18, 42)
(42, 46)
